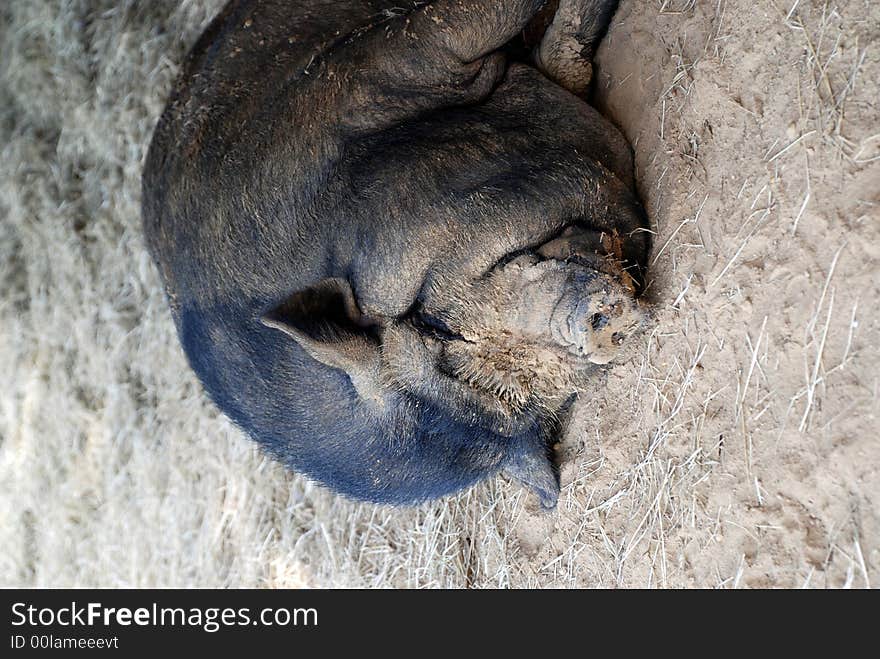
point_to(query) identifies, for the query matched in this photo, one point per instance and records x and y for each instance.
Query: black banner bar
(234, 620)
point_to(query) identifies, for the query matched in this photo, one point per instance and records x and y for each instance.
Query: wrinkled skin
(525, 333)
(389, 250)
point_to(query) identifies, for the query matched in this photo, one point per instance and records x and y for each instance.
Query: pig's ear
(326, 322)
(531, 463)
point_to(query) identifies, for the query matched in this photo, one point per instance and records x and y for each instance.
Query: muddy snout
(595, 315)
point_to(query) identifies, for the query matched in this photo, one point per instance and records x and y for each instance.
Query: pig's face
(500, 350)
(517, 340)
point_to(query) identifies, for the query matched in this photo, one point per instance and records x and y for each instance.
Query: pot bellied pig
(394, 236)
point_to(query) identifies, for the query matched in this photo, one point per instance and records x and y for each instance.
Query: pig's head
(503, 351)
(525, 333)
(518, 339)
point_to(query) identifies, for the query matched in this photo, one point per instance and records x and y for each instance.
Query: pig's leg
(566, 51)
(441, 54)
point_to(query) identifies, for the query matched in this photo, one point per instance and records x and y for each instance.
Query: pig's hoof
(566, 64)
(569, 41)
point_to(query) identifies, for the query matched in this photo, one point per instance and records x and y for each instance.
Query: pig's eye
(432, 326)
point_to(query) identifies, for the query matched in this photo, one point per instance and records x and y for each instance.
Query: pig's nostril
(598, 321)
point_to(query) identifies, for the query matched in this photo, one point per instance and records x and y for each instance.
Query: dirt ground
(735, 446)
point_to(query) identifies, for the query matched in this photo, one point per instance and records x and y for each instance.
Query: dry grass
(736, 447)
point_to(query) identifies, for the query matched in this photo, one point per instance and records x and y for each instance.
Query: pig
(394, 236)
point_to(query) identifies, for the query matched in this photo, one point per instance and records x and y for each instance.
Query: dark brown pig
(390, 250)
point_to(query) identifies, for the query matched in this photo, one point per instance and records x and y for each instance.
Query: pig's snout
(593, 322)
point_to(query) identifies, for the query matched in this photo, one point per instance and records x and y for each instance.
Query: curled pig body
(390, 250)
